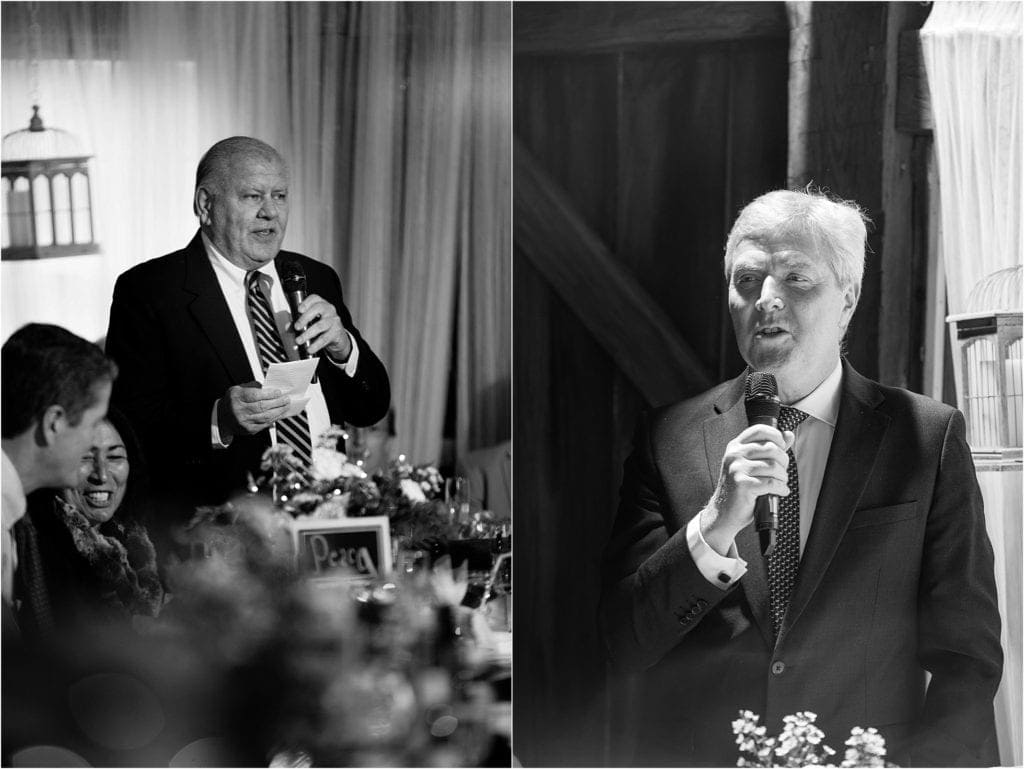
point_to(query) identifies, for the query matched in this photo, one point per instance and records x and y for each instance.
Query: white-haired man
(194, 331)
(882, 573)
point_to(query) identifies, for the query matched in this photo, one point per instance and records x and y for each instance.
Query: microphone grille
(293, 278)
(761, 385)
(762, 401)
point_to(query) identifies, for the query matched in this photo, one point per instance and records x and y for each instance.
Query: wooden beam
(559, 28)
(608, 299)
(843, 136)
(913, 99)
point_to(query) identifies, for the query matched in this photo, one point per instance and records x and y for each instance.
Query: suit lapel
(855, 444)
(730, 421)
(210, 310)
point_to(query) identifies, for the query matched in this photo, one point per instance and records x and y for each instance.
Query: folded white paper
(292, 379)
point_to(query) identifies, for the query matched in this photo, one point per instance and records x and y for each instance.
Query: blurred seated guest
(55, 391)
(97, 560)
(372, 446)
(489, 472)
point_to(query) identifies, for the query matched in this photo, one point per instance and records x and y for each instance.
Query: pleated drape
(972, 52)
(394, 120)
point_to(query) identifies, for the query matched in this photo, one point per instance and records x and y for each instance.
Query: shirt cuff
(349, 366)
(215, 439)
(719, 570)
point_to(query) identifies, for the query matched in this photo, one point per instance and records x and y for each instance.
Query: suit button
(778, 666)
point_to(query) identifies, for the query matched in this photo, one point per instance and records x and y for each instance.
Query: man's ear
(850, 298)
(201, 204)
(51, 425)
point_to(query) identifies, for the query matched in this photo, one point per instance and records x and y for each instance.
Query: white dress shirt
(13, 509)
(231, 279)
(813, 440)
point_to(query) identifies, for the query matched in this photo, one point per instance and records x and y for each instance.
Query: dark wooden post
(843, 136)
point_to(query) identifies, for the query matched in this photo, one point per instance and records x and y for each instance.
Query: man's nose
(268, 210)
(770, 298)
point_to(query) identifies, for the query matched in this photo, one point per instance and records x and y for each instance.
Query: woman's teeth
(97, 498)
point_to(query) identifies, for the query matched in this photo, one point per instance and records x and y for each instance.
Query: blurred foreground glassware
(456, 497)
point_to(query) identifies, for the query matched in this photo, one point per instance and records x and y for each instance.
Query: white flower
(333, 507)
(412, 490)
(329, 464)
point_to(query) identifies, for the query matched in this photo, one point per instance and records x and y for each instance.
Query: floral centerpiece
(802, 743)
(385, 671)
(411, 496)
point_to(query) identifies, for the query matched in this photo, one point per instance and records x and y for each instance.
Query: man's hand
(754, 464)
(321, 327)
(246, 409)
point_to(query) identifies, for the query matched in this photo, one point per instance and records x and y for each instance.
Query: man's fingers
(790, 437)
(762, 434)
(764, 468)
(257, 394)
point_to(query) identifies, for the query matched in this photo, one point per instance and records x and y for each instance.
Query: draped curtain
(391, 118)
(972, 53)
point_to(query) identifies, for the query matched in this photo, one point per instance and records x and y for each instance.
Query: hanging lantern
(46, 193)
(987, 364)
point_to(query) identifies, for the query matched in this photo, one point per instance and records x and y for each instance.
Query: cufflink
(723, 578)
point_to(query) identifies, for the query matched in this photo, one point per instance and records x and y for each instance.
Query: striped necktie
(785, 558)
(292, 431)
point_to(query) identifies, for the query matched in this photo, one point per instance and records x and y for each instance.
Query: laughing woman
(91, 558)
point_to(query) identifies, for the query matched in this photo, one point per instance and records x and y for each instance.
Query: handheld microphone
(763, 407)
(293, 281)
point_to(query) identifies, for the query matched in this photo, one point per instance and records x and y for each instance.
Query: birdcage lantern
(986, 342)
(46, 193)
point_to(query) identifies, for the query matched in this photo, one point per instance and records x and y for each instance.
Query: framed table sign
(343, 548)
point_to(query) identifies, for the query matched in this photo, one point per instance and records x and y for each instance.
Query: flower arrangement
(411, 496)
(802, 743)
(375, 675)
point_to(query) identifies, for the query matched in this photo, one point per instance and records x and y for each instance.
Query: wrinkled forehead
(241, 169)
(788, 247)
(782, 247)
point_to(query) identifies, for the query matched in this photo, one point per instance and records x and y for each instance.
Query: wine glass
(456, 495)
(356, 446)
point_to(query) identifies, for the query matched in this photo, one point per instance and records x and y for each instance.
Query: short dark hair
(219, 157)
(43, 366)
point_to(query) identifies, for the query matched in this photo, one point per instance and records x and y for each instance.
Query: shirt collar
(822, 402)
(230, 271)
(13, 494)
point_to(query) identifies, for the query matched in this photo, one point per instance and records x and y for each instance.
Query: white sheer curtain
(430, 235)
(148, 87)
(972, 52)
(394, 119)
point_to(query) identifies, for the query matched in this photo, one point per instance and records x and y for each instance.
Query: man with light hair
(875, 605)
(194, 332)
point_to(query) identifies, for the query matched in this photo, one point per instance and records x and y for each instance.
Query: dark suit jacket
(896, 579)
(177, 348)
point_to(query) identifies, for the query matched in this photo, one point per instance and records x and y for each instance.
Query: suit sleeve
(161, 414)
(362, 399)
(958, 618)
(653, 593)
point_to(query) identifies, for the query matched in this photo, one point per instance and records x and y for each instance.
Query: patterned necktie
(36, 612)
(785, 558)
(293, 431)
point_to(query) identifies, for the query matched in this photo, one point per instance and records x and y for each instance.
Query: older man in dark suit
(194, 331)
(882, 573)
